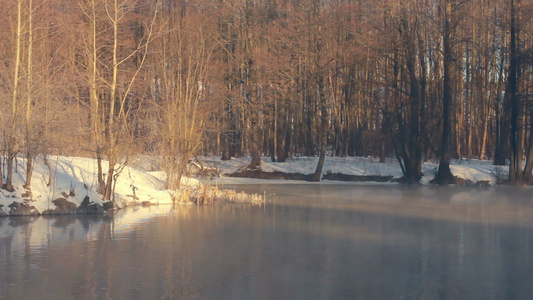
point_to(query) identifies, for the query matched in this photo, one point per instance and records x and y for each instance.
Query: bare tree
(181, 88)
(16, 64)
(449, 15)
(115, 57)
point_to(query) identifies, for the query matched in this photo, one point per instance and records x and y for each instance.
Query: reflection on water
(308, 242)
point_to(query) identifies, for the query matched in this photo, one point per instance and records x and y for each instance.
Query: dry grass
(211, 195)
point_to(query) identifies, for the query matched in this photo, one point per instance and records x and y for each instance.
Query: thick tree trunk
(224, 141)
(413, 157)
(255, 150)
(528, 168)
(29, 171)
(444, 174)
(511, 92)
(9, 178)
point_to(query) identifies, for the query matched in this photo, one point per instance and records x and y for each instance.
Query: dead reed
(211, 195)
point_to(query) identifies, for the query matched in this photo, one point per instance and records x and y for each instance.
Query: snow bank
(74, 178)
(469, 169)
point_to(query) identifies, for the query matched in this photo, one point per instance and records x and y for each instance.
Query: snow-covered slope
(74, 178)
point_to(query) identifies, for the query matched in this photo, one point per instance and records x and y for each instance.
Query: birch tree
(15, 64)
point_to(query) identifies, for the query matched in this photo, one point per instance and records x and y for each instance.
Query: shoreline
(73, 190)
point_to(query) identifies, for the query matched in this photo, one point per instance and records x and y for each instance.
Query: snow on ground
(67, 173)
(79, 174)
(470, 169)
(142, 181)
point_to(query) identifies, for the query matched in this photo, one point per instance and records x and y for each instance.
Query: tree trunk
(11, 151)
(255, 151)
(413, 163)
(511, 92)
(225, 147)
(501, 153)
(1, 171)
(29, 99)
(275, 131)
(47, 163)
(29, 172)
(108, 194)
(283, 139)
(324, 118)
(9, 178)
(528, 169)
(444, 174)
(255, 142)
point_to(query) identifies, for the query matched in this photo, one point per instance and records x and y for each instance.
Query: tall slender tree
(450, 15)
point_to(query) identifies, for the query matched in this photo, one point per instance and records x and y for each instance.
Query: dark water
(308, 242)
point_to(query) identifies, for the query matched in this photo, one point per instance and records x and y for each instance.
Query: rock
(22, 209)
(108, 205)
(3, 212)
(86, 201)
(483, 183)
(86, 207)
(146, 203)
(95, 208)
(63, 206)
(82, 209)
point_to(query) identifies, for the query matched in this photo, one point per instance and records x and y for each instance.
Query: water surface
(308, 242)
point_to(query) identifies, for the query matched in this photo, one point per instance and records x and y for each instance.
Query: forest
(412, 79)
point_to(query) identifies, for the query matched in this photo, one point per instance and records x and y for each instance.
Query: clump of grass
(211, 195)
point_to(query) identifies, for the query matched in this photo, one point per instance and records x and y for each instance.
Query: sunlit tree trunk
(11, 151)
(94, 100)
(29, 99)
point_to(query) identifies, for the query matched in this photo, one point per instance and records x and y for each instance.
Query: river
(321, 241)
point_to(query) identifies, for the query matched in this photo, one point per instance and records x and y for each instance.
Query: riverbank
(361, 169)
(70, 187)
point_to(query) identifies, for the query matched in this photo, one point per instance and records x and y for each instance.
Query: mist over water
(309, 242)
